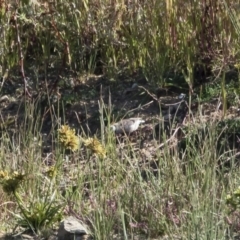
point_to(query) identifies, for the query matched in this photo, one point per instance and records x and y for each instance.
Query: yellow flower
(237, 65)
(51, 172)
(228, 197)
(11, 182)
(94, 145)
(68, 138)
(234, 198)
(3, 174)
(237, 192)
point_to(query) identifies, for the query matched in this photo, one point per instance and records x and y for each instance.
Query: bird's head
(182, 96)
(113, 128)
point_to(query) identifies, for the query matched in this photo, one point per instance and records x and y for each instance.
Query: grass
(120, 190)
(121, 193)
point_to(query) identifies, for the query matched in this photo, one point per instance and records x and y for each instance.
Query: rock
(72, 229)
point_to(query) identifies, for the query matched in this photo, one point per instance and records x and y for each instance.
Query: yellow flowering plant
(11, 181)
(95, 146)
(68, 138)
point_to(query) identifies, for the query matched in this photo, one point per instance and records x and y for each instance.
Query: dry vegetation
(73, 63)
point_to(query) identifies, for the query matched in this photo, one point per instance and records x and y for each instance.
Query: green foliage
(159, 37)
(39, 214)
(38, 211)
(226, 132)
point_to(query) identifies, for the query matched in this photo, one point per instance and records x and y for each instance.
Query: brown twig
(156, 99)
(139, 107)
(229, 158)
(150, 94)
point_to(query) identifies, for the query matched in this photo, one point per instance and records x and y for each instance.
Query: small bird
(127, 125)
